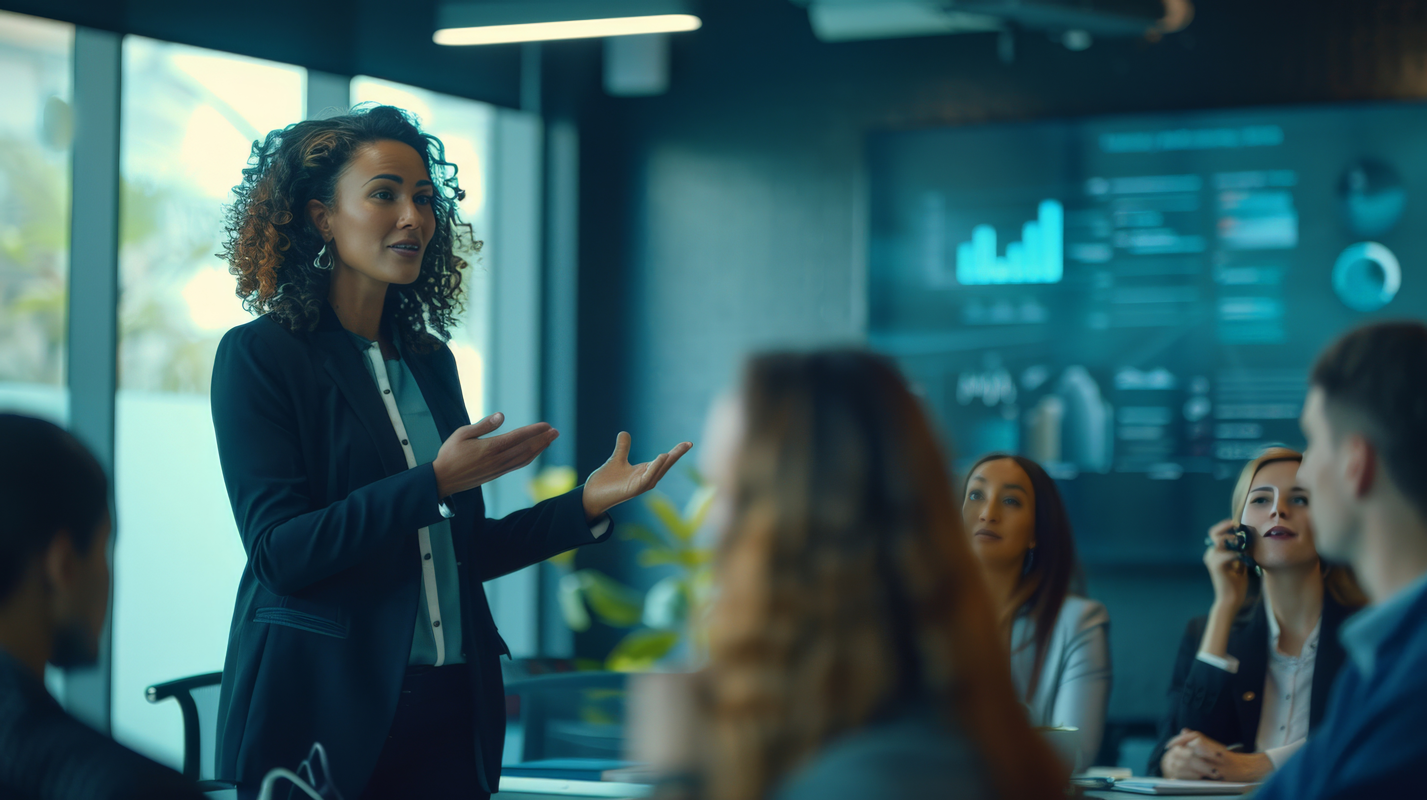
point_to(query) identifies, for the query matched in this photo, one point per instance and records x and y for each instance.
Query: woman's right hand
(1226, 570)
(466, 460)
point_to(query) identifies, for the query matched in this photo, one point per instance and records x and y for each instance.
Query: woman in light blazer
(1060, 649)
(354, 474)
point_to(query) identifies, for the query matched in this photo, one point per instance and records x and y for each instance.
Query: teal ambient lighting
(466, 23)
(1039, 257)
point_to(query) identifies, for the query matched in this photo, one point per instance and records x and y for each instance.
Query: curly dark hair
(271, 242)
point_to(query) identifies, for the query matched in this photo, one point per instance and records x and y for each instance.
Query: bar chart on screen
(1039, 256)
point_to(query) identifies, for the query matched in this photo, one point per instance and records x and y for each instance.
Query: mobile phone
(1240, 541)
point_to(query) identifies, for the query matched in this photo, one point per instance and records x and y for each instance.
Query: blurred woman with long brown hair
(854, 651)
(1060, 642)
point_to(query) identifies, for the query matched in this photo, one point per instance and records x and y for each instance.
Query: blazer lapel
(1250, 645)
(344, 364)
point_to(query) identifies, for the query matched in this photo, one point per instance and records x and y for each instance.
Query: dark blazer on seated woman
(328, 511)
(1226, 706)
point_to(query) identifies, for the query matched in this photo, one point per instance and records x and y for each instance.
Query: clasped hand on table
(1193, 756)
(470, 458)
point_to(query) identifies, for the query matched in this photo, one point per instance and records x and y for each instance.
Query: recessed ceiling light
(471, 23)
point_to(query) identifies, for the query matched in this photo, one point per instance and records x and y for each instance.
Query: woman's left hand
(1212, 761)
(618, 480)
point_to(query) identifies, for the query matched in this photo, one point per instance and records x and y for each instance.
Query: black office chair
(197, 698)
(573, 715)
(567, 715)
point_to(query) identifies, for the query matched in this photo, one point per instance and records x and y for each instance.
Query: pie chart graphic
(1366, 276)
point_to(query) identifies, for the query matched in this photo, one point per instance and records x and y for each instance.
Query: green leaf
(665, 511)
(572, 603)
(659, 556)
(666, 604)
(693, 558)
(551, 482)
(565, 560)
(698, 507)
(640, 533)
(641, 650)
(613, 602)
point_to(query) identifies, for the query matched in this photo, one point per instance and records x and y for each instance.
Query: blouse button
(437, 624)
(1249, 697)
(403, 441)
(386, 391)
(427, 557)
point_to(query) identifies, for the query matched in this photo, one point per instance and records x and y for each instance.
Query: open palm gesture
(617, 480)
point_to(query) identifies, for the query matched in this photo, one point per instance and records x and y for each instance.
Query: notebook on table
(569, 769)
(1172, 786)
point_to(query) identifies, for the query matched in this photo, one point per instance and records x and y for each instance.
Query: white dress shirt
(1287, 692)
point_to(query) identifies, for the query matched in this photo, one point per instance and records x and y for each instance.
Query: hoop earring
(317, 262)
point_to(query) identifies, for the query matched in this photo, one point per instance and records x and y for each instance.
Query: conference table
(556, 789)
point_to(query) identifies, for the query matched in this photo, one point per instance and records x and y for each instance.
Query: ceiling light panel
(468, 23)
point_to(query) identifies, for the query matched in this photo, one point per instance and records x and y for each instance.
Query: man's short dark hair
(1374, 380)
(48, 482)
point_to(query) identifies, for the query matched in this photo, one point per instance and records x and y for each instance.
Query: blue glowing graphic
(1039, 257)
(1366, 276)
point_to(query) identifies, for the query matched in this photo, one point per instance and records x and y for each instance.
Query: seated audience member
(1257, 674)
(54, 594)
(853, 647)
(1060, 649)
(1366, 467)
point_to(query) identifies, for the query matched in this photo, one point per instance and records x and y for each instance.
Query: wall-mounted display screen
(1135, 302)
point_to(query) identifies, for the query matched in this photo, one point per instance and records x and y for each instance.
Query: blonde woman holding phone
(1252, 678)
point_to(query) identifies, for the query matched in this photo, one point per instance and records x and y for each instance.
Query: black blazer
(1226, 706)
(328, 513)
(46, 753)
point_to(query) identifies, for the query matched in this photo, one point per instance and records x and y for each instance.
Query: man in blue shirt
(1366, 469)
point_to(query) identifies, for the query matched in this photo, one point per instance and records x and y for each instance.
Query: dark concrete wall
(726, 215)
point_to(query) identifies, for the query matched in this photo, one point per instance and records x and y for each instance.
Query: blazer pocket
(301, 620)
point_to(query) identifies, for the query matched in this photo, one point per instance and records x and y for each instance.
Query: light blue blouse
(425, 444)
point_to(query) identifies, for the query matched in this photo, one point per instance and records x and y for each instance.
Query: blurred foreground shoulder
(44, 752)
(913, 755)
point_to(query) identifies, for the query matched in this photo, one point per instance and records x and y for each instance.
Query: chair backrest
(197, 699)
(565, 715)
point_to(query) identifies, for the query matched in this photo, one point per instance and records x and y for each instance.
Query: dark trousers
(430, 751)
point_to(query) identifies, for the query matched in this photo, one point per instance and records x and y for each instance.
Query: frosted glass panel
(189, 119)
